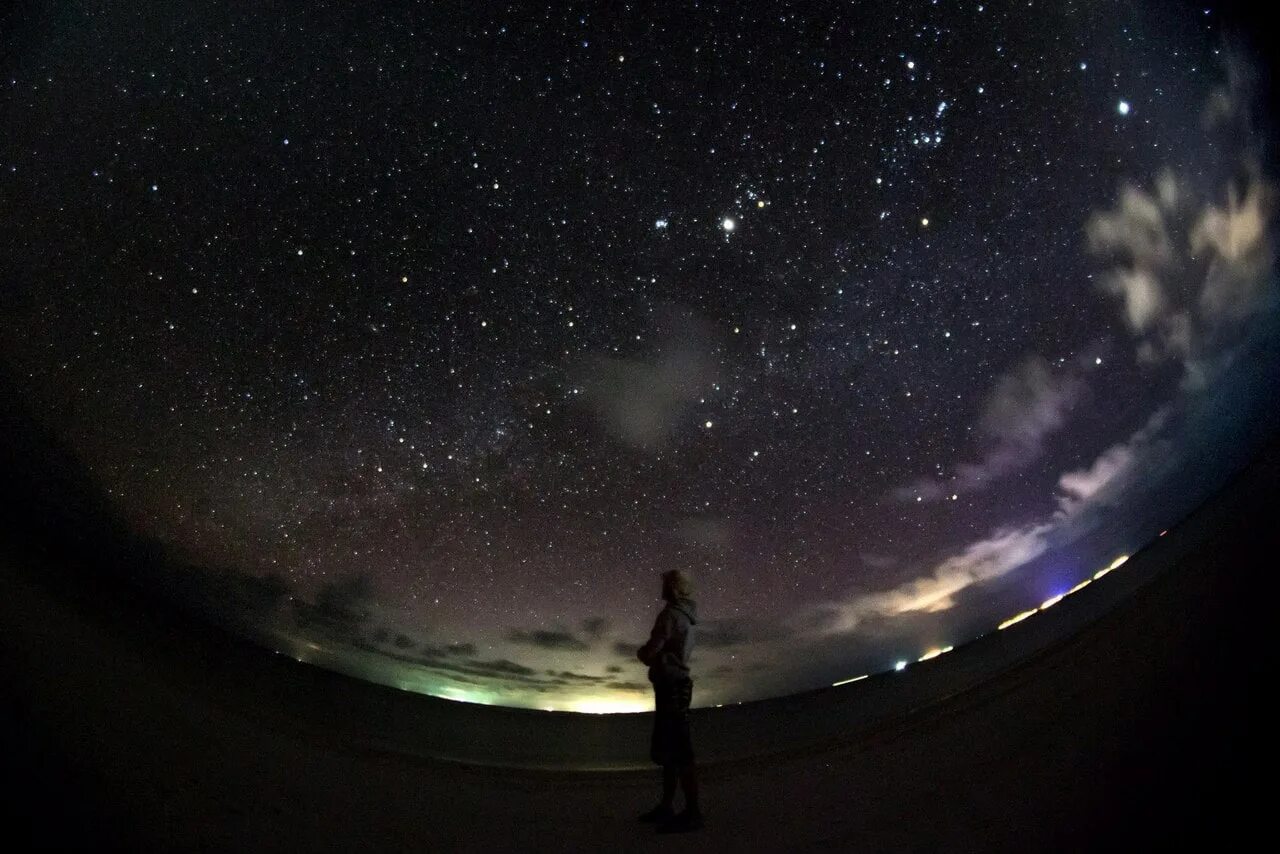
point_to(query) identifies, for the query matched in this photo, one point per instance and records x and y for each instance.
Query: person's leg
(670, 776)
(689, 782)
(666, 809)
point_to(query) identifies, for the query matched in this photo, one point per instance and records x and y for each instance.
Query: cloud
(569, 676)
(1235, 237)
(1188, 266)
(1114, 471)
(1029, 402)
(342, 608)
(595, 628)
(500, 666)
(878, 561)
(1083, 495)
(557, 639)
(629, 686)
(643, 402)
(704, 531)
(1079, 486)
(982, 560)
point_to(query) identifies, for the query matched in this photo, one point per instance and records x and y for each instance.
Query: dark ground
(129, 725)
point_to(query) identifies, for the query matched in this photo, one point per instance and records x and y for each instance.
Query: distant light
(1098, 360)
(659, 223)
(1162, 533)
(910, 64)
(934, 653)
(1051, 601)
(847, 681)
(728, 224)
(901, 665)
(1082, 585)
(707, 425)
(1015, 619)
(1123, 108)
(760, 203)
(925, 221)
(1118, 562)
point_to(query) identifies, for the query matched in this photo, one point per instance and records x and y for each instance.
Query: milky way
(463, 322)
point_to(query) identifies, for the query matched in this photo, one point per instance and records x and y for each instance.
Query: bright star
(728, 224)
(1123, 108)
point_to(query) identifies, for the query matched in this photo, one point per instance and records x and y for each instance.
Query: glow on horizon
(1082, 585)
(608, 706)
(633, 704)
(934, 653)
(1018, 618)
(1114, 565)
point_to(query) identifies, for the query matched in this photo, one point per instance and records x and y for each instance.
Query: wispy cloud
(642, 401)
(1029, 402)
(551, 639)
(981, 560)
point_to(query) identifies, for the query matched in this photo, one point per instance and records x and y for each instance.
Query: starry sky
(442, 329)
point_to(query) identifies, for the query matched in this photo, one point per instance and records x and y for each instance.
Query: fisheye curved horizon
(417, 346)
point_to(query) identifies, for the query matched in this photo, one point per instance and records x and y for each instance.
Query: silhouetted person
(667, 654)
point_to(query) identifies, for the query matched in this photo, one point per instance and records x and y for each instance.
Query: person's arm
(661, 632)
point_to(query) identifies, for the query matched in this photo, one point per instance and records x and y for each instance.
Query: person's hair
(678, 583)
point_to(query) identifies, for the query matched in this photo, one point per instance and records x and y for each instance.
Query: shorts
(672, 743)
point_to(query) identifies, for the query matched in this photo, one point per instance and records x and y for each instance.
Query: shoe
(659, 814)
(682, 823)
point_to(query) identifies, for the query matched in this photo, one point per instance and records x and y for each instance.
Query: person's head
(676, 585)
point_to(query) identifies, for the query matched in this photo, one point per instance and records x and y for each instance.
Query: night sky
(464, 322)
